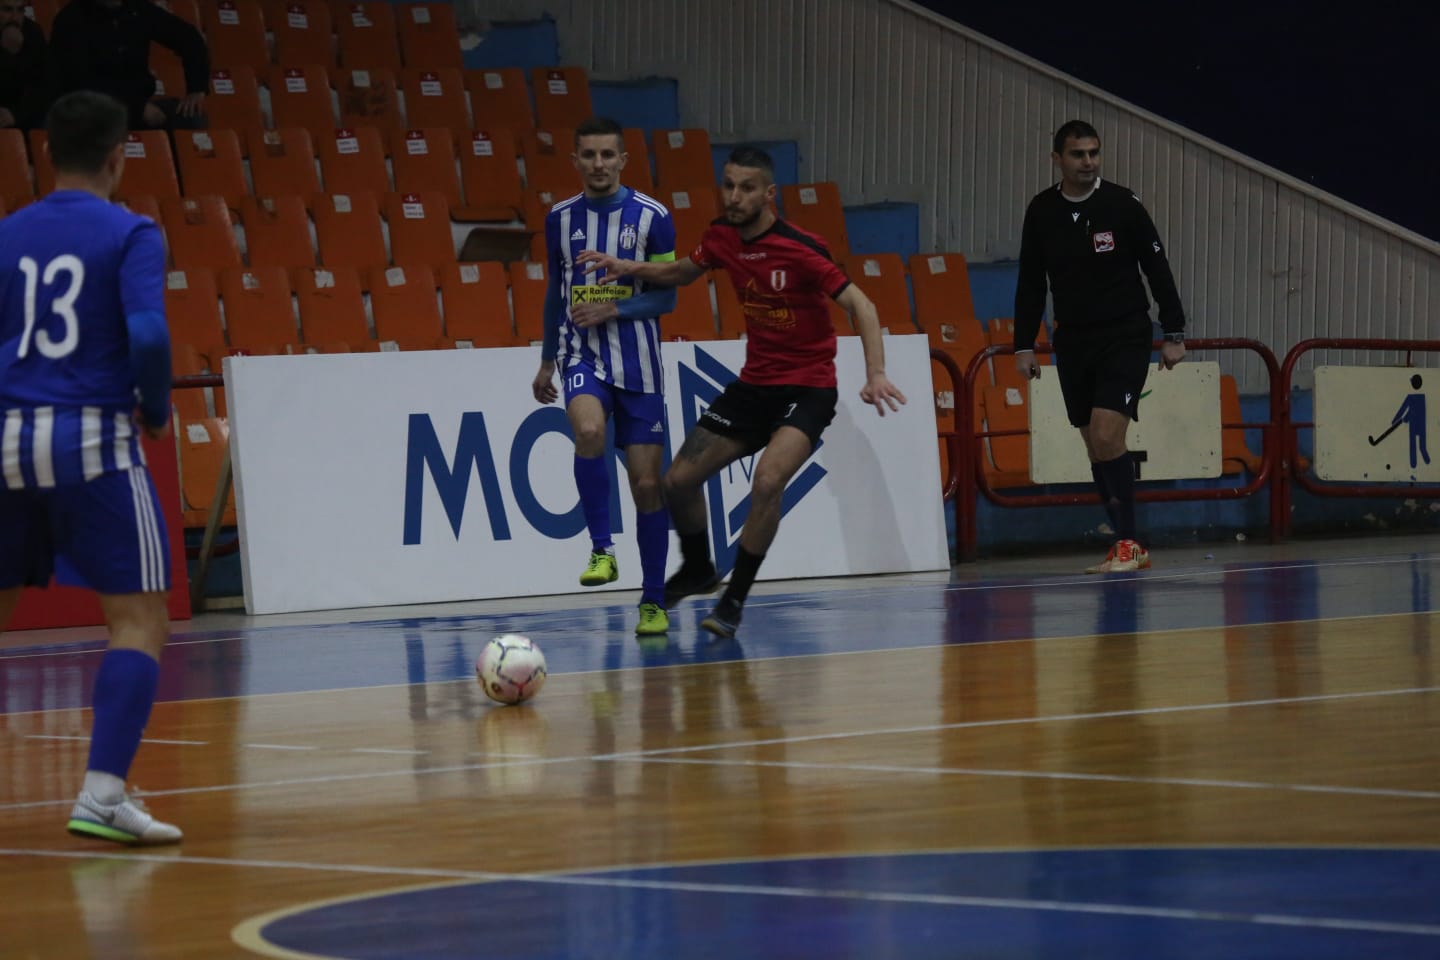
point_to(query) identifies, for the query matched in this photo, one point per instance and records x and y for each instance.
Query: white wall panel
(895, 104)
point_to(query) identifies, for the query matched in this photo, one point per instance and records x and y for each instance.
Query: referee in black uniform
(1087, 236)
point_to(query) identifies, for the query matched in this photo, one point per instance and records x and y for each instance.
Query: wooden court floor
(1226, 759)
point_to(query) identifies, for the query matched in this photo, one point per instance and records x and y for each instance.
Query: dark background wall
(1343, 96)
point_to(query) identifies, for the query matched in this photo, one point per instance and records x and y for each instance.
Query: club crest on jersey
(627, 237)
(1104, 241)
(777, 280)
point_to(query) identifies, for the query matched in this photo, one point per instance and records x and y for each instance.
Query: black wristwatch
(1177, 336)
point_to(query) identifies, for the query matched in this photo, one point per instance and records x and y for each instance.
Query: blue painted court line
(1260, 904)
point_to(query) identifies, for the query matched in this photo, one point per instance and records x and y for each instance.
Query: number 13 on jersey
(62, 306)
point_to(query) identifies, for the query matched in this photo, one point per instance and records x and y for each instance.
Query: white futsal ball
(511, 668)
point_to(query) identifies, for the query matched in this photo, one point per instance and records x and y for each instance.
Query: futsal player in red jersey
(785, 396)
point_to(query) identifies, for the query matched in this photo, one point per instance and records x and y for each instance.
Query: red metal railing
(968, 466)
(1280, 511)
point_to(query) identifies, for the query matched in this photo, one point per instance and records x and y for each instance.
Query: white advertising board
(1177, 435)
(1373, 424)
(373, 479)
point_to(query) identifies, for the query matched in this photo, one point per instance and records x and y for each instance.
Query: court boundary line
(779, 599)
(643, 755)
(1067, 638)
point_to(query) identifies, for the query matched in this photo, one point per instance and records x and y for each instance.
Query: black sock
(747, 565)
(695, 549)
(1119, 481)
(1104, 492)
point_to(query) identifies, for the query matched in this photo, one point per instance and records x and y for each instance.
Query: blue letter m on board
(472, 452)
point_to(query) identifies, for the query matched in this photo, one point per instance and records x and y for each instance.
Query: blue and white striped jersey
(631, 226)
(72, 267)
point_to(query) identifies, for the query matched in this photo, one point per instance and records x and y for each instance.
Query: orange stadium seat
(277, 232)
(527, 294)
(405, 307)
(537, 206)
(367, 35)
(816, 207)
(562, 96)
(352, 160)
(637, 175)
(202, 451)
(303, 32)
(425, 160)
(235, 34)
(476, 300)
(190, 403)
(428, 36)
(370, 98)
(435, 98)
(683, 160)
(149, 167)
(419, 229)
(1235, 452)
(548, 161)
(300, 97)
(1007, 408)
(961, 339)
(210, 164)
(348, 231)
(200, 232)
(490, 176)
(16, 189)
(500, 99)
(692, 318)
(941, 282)
(234, 104)
(258, 314)
(148, 207)
(692, 211)
(881, 276)
(332, 307)
(282, 162)
(192, 311)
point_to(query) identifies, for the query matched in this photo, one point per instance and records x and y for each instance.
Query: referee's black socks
(1116, 480)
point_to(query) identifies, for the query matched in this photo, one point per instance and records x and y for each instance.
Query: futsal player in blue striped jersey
(606, 340)
(84, 369)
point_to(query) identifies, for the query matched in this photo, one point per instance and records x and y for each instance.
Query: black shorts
(751, 413)
(1102, 368)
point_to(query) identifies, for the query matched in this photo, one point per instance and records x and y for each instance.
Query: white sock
(105, 787)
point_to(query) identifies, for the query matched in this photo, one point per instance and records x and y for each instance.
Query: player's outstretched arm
(675, 273)
(878, 390)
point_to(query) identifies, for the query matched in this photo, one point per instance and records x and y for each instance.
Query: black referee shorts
(750, 413)
(1103, 368)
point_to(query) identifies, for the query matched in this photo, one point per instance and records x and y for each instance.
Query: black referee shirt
(1089, 249)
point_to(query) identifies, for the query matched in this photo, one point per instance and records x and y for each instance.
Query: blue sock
(652, 532)
(593, 482)
(124, 693)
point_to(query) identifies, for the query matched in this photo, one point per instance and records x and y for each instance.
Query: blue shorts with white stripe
(107, 534)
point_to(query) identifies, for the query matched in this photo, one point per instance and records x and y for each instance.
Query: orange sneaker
(1124, 557)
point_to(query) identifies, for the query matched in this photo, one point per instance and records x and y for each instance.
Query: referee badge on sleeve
(1104, 241)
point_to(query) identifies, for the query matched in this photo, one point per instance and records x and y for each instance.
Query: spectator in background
(23, 83)
(104, 45)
